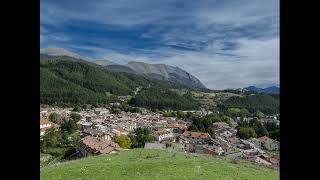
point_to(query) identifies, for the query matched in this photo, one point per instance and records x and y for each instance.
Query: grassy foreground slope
(155, 164)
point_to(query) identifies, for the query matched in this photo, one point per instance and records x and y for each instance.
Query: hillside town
(99, 127)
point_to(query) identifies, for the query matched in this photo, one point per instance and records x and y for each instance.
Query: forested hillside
(68, 81)
(268, 104)
(159, 98)
(78, 82)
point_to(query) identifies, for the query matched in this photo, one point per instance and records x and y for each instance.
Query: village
(98, 128)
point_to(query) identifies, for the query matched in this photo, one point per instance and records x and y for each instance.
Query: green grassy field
(156, 164)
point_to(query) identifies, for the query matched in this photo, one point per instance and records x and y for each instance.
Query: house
(220, 125)
(247, 143)
(119, 131)
(163, 135)
(175, 127)
(124, 98)
(195, 137)
(181, 147)
(256, 142)
(212, 141)
(45, 124)
(252, 152)
(212, 149)
(90, 145)
(85, 125)
(97, 133)
(269, 143)
(233, 140)
(233, 154)
(101, 111)
(273, 161)
(259, 160)
(226, 134)
(154, 146)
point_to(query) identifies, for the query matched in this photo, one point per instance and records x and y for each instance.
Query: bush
(53, 117)
(123, 141)
(75, 116)
(246, 133)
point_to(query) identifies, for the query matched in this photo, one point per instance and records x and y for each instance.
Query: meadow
(145, 164)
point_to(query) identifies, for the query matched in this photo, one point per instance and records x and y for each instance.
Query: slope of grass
(156, 164)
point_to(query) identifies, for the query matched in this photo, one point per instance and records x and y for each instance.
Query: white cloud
(257, 64)
(234, 43)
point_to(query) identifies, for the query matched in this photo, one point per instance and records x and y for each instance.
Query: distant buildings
(119, 131)
(98, 127)
(90, 145)
(269, 143)
(163, 135)
(45, 124)
(194, 137)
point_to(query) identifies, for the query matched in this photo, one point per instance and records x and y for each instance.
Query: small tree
(246, 133)
(53, 117)
(77, 108)
(262, 131)
(233, 112)
(259, 114)
(75, 116)
(244, 112)
(210, 131)
(142, 135)
(115, 110)
(123, 141)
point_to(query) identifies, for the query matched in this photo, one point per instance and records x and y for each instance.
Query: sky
(224, 43)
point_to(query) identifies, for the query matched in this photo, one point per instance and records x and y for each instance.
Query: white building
(45, 125)
(119, 131)
(164, 134)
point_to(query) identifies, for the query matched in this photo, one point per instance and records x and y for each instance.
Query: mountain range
(152, 71)
(268, 90)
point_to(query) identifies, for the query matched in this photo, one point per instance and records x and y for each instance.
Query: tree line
(265, 103)
(163, 99)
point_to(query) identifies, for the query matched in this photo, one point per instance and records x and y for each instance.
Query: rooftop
(98, 145)
(196, 134)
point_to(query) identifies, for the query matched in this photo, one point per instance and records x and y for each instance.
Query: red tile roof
(161, 132)
(120, 130)
(99, 146)
(172, 125)
(44, 121)
(264, 139)
(196, 134)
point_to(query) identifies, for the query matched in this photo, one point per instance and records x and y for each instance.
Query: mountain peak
(165, 72)
(60, 52)
(105, 62)
(270, 90)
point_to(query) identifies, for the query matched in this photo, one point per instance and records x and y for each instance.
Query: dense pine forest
(67, 81)
(158, 98)
(78, 82)
(268, 104)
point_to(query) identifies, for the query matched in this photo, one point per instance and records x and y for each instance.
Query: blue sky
(224, 43)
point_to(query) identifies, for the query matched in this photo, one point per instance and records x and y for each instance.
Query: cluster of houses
(224, 143)
(267, 119)
(45, 124)
(99, 127)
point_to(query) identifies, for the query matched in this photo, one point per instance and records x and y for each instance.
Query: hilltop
(151, 71)
(156, 164)
(68, 80)
(268, 90)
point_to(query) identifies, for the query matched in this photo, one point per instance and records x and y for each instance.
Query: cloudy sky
(224, 43)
